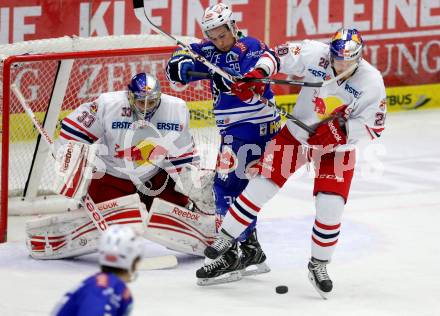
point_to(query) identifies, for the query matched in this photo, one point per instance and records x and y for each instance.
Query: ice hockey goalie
(132, 152)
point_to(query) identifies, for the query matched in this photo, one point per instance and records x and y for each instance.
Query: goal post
(57, 80)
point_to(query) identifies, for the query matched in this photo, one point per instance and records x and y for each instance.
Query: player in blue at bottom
(245, 124)
(106, 292)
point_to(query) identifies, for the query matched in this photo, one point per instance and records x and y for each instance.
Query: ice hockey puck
(281, 289)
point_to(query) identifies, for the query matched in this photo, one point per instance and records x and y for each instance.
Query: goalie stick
(141, 15)
(156, 263)
(89, 205)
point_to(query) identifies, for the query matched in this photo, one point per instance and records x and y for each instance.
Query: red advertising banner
(402, 36)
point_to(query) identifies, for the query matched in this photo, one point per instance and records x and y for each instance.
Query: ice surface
(386, 262)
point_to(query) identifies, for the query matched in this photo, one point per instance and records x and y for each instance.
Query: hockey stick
(89, 205)
(283, 81)
(283, 112)
(141, 15)
(155, 263)
(302, 83)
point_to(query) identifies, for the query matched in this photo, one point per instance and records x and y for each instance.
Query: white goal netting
(58, 75)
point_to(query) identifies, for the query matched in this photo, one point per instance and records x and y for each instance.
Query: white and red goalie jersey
(363, 93)
(130, 147)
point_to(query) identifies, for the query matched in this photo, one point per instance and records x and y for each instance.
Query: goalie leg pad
(178, 228)
(73, 234)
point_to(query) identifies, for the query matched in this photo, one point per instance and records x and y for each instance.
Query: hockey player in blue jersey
(245, 126)
(106, 293)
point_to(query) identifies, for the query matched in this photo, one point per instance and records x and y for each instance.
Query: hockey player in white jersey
(145, 160)
(331, 150)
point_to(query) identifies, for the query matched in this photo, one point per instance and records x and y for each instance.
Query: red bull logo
(324, 106)
(320, 107)
(144, 152)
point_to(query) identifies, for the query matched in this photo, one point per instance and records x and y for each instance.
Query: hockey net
(58, 75)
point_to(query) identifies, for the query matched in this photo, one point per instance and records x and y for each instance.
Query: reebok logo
(108, 205)
(334, 131)
(186, 214)
(67, 158)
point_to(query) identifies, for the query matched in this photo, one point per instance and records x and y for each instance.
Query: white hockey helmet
(218, 15)
(119, 246)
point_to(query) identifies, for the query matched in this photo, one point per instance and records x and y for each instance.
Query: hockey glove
(329, 133)
(223, 84)
(246, 91)
(178, 66)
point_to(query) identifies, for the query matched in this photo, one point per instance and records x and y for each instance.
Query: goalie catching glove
(197, 185)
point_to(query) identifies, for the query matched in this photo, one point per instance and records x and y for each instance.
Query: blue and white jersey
(103, 294)
(131, 147)
(229, 110)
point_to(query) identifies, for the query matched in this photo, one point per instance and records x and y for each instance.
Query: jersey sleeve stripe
(74, 134)
(231, 111)
(245, 108)
(80, 128)
(180, 162)
(66, 136)
(374, 132)
(191, 153)
(258, 119)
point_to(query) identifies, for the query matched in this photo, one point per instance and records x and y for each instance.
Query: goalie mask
(119, 247)
(144, 95)
(218, 15)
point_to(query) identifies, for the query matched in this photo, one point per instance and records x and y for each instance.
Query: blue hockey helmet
(144, 94)
(346, 44)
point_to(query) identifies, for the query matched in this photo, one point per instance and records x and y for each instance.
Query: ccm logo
(186, 214)
(98, 220)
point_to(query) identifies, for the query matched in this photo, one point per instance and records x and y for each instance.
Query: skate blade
(255, 269)
(225, 278)
(324, 295)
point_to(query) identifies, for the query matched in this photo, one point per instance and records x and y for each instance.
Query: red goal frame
(6, 100)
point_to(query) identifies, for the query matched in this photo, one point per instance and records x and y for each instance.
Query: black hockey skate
(252, 256)
(226, 268)
(222, 243)
(319, 278)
